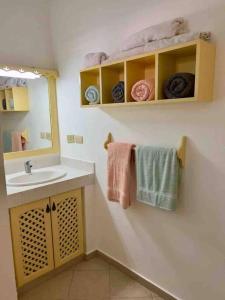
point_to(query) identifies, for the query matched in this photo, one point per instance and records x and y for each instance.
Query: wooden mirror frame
(51, 76)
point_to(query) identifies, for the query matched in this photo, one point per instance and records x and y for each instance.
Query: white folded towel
(156, 32)
(95, 58)
(154, 45)
(8, 82)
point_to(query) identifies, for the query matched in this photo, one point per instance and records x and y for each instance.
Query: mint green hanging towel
(158, 176)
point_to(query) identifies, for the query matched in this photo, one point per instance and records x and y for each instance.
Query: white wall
(25, 34)
(182, 252)
(25, 40)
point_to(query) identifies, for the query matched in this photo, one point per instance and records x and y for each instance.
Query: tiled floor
(90, 280)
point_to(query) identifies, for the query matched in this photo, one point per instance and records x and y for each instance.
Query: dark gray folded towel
(179, 85)
(118, 92)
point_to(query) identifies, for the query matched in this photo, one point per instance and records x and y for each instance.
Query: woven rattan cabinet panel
(67, 226)
(32, 240)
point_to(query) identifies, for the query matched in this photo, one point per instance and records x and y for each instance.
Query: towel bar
(180, 150)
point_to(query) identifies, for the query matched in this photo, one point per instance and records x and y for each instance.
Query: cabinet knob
(53, 206)
(48, 209)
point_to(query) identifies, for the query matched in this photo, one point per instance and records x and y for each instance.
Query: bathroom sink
(36, 177)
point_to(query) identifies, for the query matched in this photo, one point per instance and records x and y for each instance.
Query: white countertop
(75, 178)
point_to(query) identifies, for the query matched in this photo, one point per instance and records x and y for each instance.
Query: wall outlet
(70, 138)
(43, 135)
(79, 139)
(48, 136)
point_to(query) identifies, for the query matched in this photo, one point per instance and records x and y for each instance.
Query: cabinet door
(67, 226)
(32, 240)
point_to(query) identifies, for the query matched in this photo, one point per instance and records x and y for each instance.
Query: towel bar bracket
(108, 141)
(181, 151)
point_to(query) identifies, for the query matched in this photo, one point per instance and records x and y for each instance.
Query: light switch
(48, 136)
(43, 135)
(78, 139)
(70, 138)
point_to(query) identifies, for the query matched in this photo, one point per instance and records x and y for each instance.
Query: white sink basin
(36, 177)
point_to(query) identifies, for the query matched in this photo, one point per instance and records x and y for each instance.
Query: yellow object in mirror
(28, 108)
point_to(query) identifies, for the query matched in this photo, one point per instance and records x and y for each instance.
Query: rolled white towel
(11, 82)
(123, 54)
(92, 59)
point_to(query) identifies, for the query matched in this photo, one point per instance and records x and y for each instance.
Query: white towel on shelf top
(152, 46)
(95, 58)
(8, 82)
(156, 32)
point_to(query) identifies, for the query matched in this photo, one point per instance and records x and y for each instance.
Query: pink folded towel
(143, 90)
(121, 174)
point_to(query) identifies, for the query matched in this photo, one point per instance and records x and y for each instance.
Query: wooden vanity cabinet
(46, 234)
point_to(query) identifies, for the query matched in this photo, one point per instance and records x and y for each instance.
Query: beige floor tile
(122, 286)
(90, 280)
(56, 288)
(36, 295)
(156, 297)
(90, 285)
(131, 298)
(95, 263)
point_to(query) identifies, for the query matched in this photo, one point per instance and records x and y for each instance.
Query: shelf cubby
(111, 75)
(17, 99)
(89, 77)
(174, 61)
(197, 57)
(139, 69)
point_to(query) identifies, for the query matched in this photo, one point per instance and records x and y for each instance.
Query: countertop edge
(53, 188)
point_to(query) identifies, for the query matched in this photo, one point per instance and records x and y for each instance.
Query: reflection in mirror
(24, 104)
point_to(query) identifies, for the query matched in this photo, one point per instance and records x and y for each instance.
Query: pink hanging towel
(18, 142)
(121, 174)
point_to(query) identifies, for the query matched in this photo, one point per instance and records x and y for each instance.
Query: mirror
(29, 119)
(26, 121)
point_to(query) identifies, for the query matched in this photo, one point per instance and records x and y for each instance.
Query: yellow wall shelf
(197, 57)
(19, 98)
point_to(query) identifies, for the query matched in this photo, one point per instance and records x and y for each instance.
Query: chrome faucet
(27, 167)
